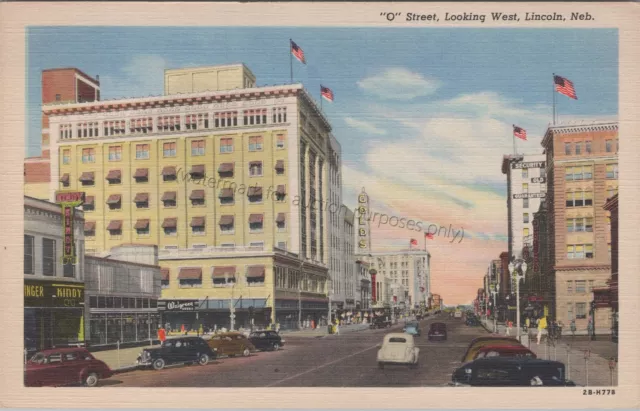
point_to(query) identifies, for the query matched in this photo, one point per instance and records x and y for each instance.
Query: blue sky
(423, 115)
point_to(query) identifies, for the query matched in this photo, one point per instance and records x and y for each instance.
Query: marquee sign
(363, 223)
(69, 200)
(529, 195)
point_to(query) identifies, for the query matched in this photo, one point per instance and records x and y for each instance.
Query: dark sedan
(185, 350)
(65, 366)
(437, 331)
(511, 372)
(266, 340)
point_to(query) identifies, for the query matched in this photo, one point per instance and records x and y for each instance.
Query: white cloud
(364, 126)
(142, 76)
(399, 84)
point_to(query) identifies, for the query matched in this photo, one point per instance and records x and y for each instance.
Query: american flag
(413, 242)
(429, 236)
(520, 132)
(564, 86)
(326, 93)
(297, 52)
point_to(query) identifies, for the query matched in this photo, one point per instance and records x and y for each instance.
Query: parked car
(511, 372)
(490, 351)
(266, 340)
(231, 344)
(65, 366)
(437, 331)
(457, 314)
(185, 350)
(398, 349)
(380, 322)
(412, 328)
(480, 342)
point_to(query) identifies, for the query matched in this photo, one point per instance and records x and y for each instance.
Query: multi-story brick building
(610, 294)
(228, 179)
(582, 171)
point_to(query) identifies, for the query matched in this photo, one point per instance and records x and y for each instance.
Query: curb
(122, 370)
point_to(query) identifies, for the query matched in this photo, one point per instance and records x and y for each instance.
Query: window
(48, 257)
(570, 311)
(170, 123)
(141, 125)
(196, 283)
(197, 148)
(568, 173)
(252, 117)
(525, 173)
(257, 244)
(115, 153)
(58, 97)
(587, 172)
(612, 171)
(587, 148)
(282, 245)
(255, 168)
(280, 115)
(525, 231)
(525, 218)
(197, 121)
(588, 250)
(578, 147)
(579, 253)
(141, 200)
(571, 251)
(525, 203)
(525, 187)
(142, 151)
(66, 156)
(88, 155)
(142, 229)
(591, 285)
(171, 231)
(579, 225)
(29, 254)
(570, 287)
(581, 286)
(617, 145)
(228, 119)
(567, 149)
(588, 198)
(611, 191)
(198, 225)
(227, 228)
(280, 140)
(588, 224)
(609, 247)
(608, 146)
(226, 145)
(570, 225)
(169, 149)
(255, 143)
(255, 223)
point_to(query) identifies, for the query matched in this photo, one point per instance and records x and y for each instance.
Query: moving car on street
(412, 328)
(480, 342)
(380, 322)
(437, 331)
(511, 372)
(231, 344)
(504, 351)
(185, 350)
(266, 340)
(398, 349)
(65, 366)
(457, 314)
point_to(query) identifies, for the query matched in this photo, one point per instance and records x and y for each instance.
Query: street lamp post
(494, 290)
(514, 267)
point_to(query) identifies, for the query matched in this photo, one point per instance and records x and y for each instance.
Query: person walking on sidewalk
(542, 324)
(162, 334)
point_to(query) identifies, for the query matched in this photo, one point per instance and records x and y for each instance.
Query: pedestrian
(201, 330)
(542, 324)
(337, 329)
(277, 327)
(509, 325)
(182, 328)
(162, 334)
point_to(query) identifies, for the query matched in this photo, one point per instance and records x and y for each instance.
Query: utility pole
(232, 310)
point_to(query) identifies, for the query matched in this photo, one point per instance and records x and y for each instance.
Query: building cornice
(582, 267)
(575, 128)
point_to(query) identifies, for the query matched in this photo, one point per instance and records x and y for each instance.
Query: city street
(347, 360)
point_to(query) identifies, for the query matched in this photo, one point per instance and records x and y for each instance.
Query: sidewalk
(593, 372)
(121, 360)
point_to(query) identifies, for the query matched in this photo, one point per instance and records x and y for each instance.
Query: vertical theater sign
(364, 238)
(69, 201)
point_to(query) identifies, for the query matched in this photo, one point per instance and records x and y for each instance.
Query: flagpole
(425, 243)
(291, 60)
(513, 135)
(553, 90)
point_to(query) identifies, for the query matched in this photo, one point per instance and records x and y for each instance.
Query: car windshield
(397, 340)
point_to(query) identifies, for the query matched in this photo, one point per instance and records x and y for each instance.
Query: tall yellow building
(228, 181)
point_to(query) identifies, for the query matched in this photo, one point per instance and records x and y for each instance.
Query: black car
(186, 350)
(380, 322)
(511, 372)
(437, 331)
(266, 340)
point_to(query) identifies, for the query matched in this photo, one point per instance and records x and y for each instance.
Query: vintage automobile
(511, 372)
(490, 351)
(380, 322)
(398, 349)
(183, 350)
(480, 342)
(412, 328)
(65, 366)
(231, 344)
(437, 331)
(266, 340)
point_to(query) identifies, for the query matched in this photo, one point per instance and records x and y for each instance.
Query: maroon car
(437, 331)
(65, 366)
(504, 351)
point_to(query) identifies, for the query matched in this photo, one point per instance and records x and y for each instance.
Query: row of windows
(576, 147)
(48, 258)
(170, 226)
(256, 143)
(579, 251)
(100, 301)
(580, 286)
(580, 313)
(144, 125)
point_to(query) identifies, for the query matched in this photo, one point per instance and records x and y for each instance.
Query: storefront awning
(190, 273)
(222, 272)
(256, 271)
(170, 223)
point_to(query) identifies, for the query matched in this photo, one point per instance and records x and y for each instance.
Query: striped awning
(222, 272)
(164, 272)
(190, 273)
(225, 168)
(226, 220)
(114, 175)
(255, 218)
(256, 271)
(114, 225)
(170, 223)
(87, 176)
(169, 196)
(141, 173)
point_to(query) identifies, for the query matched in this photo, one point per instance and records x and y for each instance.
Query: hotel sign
(363, 224)
(531, 164)
(69, 201)
(529, 195)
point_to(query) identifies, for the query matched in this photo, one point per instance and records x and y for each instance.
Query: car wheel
(91, 380)
(158, 364)
(246, 352)
(203, 360)
(276, 347)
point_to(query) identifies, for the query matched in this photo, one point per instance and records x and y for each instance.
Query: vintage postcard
(307, 205)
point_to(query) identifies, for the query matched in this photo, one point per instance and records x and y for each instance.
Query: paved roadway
(347, 360)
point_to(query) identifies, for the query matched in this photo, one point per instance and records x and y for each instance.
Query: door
(53, 373)
(74, 363)
(181, 351)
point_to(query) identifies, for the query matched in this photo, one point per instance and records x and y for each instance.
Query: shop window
(29, 254)
(48, 257)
